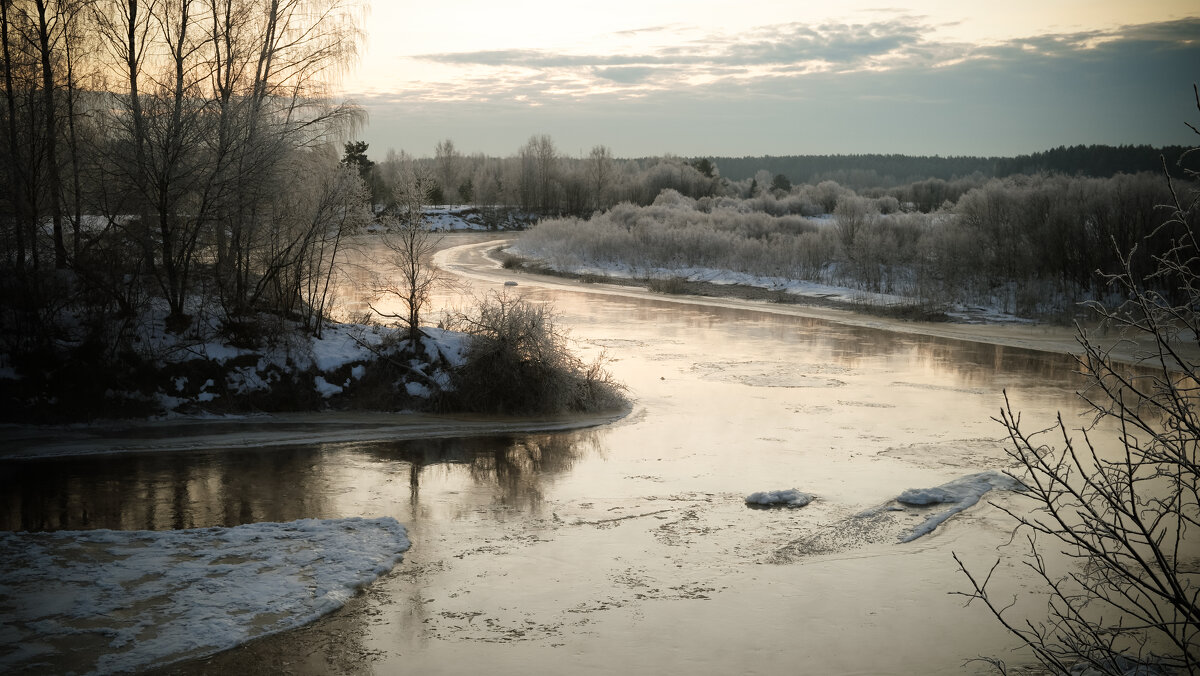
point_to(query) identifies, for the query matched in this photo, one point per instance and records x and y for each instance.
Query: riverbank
(679, 285)
(268, 364)
(206, 371)
(482, 262)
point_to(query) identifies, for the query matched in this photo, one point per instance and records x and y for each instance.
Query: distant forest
(886, 171)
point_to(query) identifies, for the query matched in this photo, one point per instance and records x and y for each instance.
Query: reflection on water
(232, 487)
(704, 332)
(630, 546)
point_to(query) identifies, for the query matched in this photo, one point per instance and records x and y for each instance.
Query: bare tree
(539, 172)
(600, 175)
(213, 96)
(410, 243)
(853, 214)
(1127, 598)
(305, 236)
(449, 169)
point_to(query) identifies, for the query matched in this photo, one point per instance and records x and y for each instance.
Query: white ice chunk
(788, 498)
(958, 494)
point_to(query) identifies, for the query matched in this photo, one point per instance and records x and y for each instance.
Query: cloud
(833, 43)
(670, 27)
(772, 45)
(876, 86)
(629, 74)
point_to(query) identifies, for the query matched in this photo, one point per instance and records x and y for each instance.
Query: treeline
(1024, 245)
(888, 171)
(858, 171)
(541, 180)
(1097, 161)
(175, 154)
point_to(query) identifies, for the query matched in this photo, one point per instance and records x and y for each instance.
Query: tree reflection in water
(230, 487)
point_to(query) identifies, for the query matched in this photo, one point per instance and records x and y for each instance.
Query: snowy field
(154, 598)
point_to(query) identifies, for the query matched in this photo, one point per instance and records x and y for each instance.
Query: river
(627, 547)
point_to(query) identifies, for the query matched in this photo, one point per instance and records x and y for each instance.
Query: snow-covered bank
(265, 363)
(471, 218)
(324, 367)
(841, 296)
(105, 601)
(476, 261)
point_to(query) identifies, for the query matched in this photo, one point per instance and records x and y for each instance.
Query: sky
(695, 78)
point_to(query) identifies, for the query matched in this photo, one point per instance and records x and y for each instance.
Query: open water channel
(627, 547)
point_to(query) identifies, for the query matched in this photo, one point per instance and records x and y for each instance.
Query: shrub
(518, 362)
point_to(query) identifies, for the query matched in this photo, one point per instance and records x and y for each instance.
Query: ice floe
(133, 599)
(956, 495)
(786, 498)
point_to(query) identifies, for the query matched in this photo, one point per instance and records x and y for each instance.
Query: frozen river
(627, 547)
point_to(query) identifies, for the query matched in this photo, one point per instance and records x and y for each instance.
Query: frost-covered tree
(409, 275)
(1124, 596)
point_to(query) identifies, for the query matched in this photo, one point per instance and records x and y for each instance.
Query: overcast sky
(778, 78)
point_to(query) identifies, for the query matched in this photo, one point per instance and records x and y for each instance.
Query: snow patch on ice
(158, 597)
(959, 494)
(787, 498)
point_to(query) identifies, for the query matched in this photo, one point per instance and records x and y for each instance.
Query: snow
(453, 218)
(452, 345)
(203, 372)
(466, 217)
(991, 313)
(342, 349)
(154, 598)
(247, 379)
(788, 498)
(217, 352)
(727, 277)
(416, 389)
(958, 495)
(338, 347)
(325, 388)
